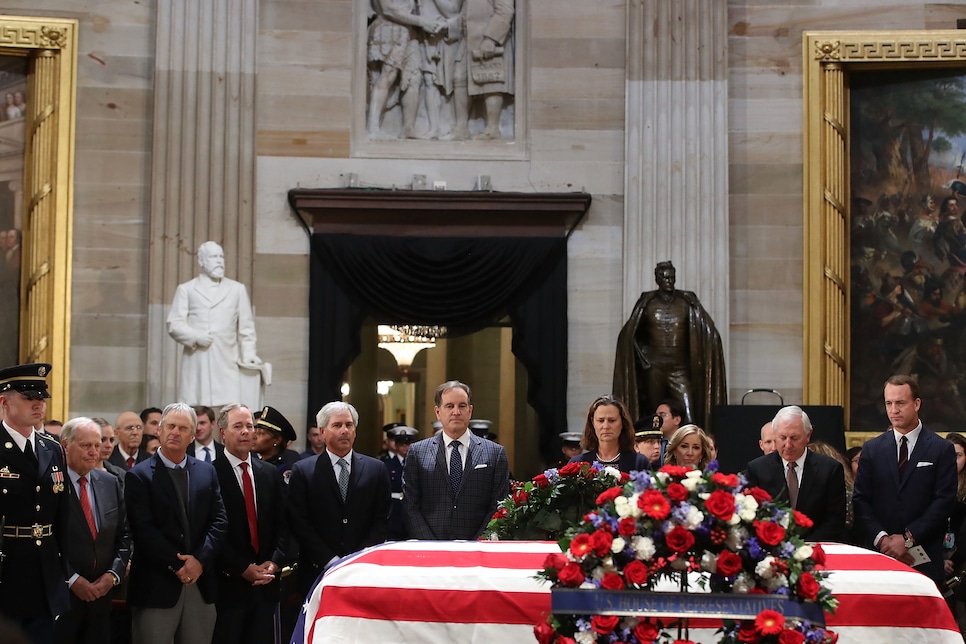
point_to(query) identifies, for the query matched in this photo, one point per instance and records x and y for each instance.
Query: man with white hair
(211, 316)
(811, 483)
(99, 541)
(338, 500)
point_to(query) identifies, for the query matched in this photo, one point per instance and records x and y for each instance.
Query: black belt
(35, 531)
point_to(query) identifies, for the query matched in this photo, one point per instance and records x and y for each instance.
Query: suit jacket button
(39, 542)
(345, 521)
(38, 508)
(38, 488)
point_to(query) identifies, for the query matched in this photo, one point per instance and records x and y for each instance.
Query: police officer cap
(403, 433)
(648, 427)
(389, 427)
(481, 427)
(273, 420)
(571, 438)
(28, 379)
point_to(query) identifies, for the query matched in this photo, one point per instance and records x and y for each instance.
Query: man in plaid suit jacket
(453, 495)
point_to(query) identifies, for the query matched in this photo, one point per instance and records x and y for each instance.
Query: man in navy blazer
(434, 509)
(204, 447)
(96, 556)
(905, 489)
(254, 553)
(178, 523)
(821, 479)
(338, 501)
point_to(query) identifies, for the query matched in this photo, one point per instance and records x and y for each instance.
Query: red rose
(611, 581)
(555, 560)
(520, 497)
(627, 527)
(609, 495)
(541, 480)
(569, 469)
(818, 554)
(635, 572)
(580, 545)
(725, 480)
(675, 471)
(769, 622)
(790, 636)
(729, 563)
(748, 633)
(646, 632)
(545, 633)
(679, 539)
(801, 520)
(758, 494)
(604, 624)
(625, 477)
(808, 587)
(571, 575)
(677, 492)
(654, 505)
(600, 542)
(721, 504)
(499, 514)
(769, 532)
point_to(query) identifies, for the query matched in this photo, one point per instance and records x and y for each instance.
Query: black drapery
(463, 283)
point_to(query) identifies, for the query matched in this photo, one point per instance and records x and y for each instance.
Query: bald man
(127, 452)
(767, 440)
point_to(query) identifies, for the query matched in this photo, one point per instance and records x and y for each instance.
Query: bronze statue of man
(670, 348)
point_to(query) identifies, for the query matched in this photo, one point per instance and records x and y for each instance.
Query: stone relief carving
(440, 69)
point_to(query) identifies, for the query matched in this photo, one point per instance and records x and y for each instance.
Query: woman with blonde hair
(689, 446)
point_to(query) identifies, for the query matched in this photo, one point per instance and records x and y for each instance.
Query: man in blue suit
(179, 523)
(906, 483)
(453, 481)
(338, 500)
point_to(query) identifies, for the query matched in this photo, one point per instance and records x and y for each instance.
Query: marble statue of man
(211, 317)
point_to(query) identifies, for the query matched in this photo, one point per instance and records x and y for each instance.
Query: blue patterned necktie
(207, 455)
(343, 477)
(455, 467)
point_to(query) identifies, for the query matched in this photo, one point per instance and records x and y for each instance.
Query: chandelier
(405, 341)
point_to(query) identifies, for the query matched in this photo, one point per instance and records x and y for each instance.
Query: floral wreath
(676, 521)
(552, 503)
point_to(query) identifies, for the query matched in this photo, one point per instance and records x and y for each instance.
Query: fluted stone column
(203, 171)
(676, 155)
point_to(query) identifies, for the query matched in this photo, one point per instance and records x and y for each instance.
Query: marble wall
(306, 114)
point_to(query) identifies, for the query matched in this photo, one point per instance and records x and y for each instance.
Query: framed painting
(38, 70)
(885, 229)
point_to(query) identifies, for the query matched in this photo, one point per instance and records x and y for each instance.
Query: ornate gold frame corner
(829, 59)
(50, 46)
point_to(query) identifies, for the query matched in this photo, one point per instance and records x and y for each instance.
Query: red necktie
(85, 502)
(250, 505)
(130, 462)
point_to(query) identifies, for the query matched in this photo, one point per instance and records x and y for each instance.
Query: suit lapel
(44, 454)
(325, 473)
(921, 448)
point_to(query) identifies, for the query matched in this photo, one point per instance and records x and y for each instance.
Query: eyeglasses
(131, 428)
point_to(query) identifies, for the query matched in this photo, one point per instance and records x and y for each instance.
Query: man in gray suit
(453, 482)
(99, 542)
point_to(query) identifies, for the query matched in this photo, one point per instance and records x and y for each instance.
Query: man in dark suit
(812, 483)
(178, 523)
(338, 500)
(99, 543)
(254, 550)
(128, 453)
(453, 481)
(204, 447)
(905, 489)
(34, 505)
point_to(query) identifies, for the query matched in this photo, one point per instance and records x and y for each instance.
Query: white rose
(776, 582)
(622, 506)
(735, 519)
(694, 474)
(694, 518)
(746, 515)
(662, 477)
(613, 471)
(585, 637)
(689, 483)
(709, 561)
(618, 545)
(764, 569)
(644, 547)
(783, 520)
(802, 553)
(704, 496)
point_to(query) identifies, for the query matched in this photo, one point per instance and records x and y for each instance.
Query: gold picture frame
(830, 58)
(50, 48)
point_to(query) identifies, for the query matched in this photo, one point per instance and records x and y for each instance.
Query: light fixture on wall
(404, 342)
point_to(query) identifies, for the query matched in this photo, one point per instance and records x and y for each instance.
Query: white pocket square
(923, 464)
(482, 465)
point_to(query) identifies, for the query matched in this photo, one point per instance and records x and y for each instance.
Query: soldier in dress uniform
(400, 436)
(33, 506)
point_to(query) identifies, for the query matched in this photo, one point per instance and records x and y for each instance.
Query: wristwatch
(910, 542)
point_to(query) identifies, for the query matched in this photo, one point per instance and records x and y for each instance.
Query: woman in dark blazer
(609, 437)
